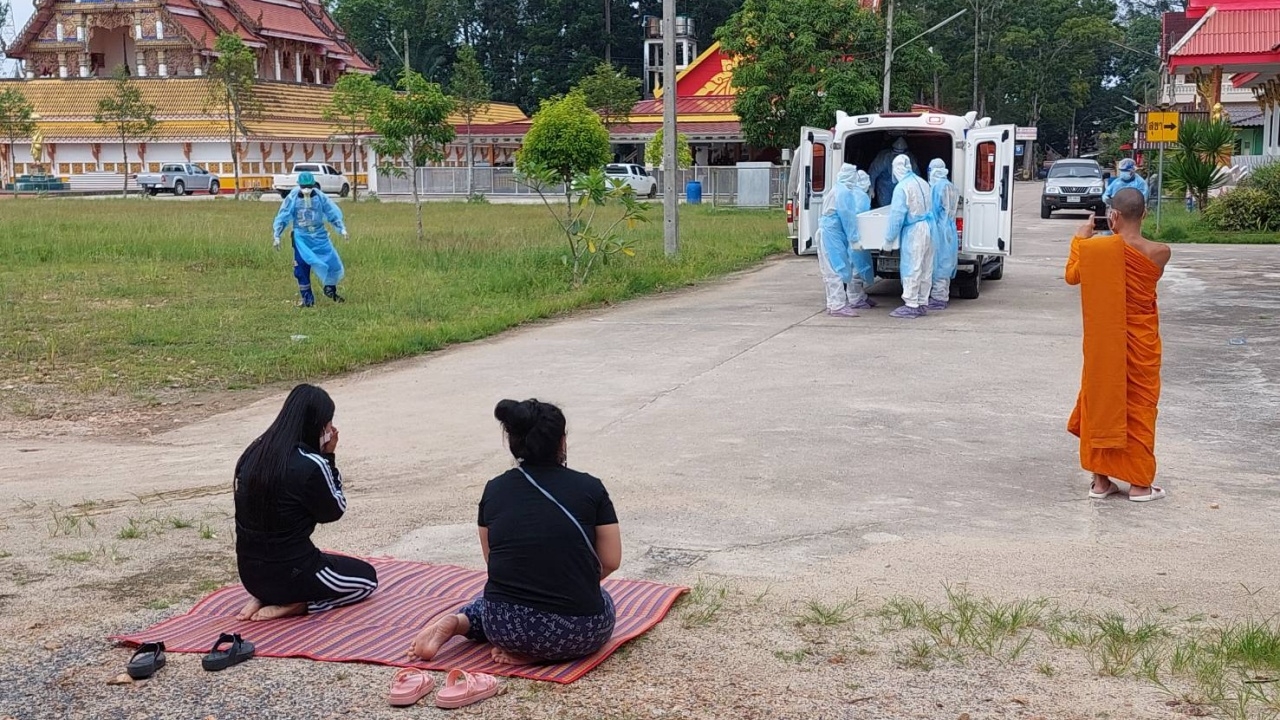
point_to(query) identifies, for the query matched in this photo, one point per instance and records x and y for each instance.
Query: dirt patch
(171, 577)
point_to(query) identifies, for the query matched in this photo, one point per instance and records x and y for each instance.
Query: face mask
(308, 192)
(1126, 175)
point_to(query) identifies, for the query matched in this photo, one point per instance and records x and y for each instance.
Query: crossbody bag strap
(590, 545)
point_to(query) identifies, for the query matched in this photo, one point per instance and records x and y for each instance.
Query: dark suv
(1073, 185)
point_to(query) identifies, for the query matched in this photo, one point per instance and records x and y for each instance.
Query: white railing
(719, 184)
(1253, 162)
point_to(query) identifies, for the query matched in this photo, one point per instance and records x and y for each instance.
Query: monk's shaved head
(1130, 204)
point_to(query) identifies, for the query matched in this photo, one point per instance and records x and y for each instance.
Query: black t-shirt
(280, 532)
(537, 557)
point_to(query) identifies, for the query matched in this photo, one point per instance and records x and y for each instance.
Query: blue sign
(1018, 149)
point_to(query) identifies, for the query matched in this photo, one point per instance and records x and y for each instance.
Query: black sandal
(146, 661)
(237, 651)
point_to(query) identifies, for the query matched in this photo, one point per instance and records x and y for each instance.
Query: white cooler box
(871, 227)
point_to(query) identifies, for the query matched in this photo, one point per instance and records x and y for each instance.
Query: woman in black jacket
(286, 482)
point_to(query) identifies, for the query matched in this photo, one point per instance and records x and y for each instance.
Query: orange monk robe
(1115, 414)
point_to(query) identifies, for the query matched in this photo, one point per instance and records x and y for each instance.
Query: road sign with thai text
(1162, 127)
(1025, 133)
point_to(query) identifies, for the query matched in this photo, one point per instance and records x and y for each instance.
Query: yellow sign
(1162, 127)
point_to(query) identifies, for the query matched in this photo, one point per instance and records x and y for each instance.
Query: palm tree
(1200, 158)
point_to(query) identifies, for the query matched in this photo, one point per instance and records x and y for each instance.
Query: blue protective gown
(1117, 184)
(310, 237)
(910, 222)
(946, 240)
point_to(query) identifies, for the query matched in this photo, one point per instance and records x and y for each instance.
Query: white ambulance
(979, 156)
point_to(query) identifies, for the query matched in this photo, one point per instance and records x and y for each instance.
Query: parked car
(179, 179)
(1073, 184)
(331, 181)
(641, 182)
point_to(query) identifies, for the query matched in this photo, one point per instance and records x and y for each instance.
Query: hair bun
(516, 417)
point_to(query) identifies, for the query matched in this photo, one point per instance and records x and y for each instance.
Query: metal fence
(719, 184)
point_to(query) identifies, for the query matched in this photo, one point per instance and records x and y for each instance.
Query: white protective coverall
(946, 241)
(910, 221)
(845, 271)
(882, 171)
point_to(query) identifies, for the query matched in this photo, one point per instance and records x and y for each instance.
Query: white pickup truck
(331, 181)
(179, 179)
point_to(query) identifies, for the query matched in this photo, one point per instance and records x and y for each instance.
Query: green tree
(471, 96)
(356, 99)
(653, 151)
(566, 140)
(232, 77)
(414, 125)
(15, 123)
(799, 62)
(611, 93)
(128, 116)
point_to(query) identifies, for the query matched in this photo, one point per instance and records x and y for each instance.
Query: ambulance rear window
(819, 177)
(984, 179)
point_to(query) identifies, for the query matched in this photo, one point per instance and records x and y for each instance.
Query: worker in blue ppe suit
(882, 170)
(946, 241)
(910, 222)
(307, 208)
(838, 225)
(1128, 178)
(864, 269)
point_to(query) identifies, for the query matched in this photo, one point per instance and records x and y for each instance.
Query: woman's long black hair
(262, 466)
(535, 430)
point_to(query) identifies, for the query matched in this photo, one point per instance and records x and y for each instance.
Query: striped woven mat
(380, 629)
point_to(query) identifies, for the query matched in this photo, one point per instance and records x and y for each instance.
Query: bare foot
(502, 657)
(432, 637)
(249, 609)
(1136, 491)
(271, 612)
(1102, 484)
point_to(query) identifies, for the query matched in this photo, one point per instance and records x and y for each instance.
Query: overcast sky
(21, 10)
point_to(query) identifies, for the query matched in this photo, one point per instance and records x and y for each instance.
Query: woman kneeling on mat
(286, 482)
(549, 536)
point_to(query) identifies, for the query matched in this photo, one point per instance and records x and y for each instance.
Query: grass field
(135, 296)
(1179, 226)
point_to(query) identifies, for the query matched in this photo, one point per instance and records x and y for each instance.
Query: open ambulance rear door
(813, 169)
(988, 191)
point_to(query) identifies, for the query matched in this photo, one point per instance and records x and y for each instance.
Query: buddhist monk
(1115, 415)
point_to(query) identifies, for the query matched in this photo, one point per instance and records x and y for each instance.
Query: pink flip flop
(409, 686)
(463, 688)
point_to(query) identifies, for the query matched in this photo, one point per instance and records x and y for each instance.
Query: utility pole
(608, 31)
(888, 54)
(977, 16)
(670, 134)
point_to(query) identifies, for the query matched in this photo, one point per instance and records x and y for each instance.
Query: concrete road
(744, 433)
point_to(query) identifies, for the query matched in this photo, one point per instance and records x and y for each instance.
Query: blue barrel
(693, 192)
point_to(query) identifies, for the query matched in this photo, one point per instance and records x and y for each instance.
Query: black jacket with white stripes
(310, 493)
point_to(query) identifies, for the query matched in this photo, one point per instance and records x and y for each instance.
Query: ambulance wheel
(968, 285)
(998, 271)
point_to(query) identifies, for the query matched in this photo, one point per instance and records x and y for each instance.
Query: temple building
(70, 48)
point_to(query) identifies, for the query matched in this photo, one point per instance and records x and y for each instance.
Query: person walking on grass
(1115, 414)
(286, 482)
(307, 208)
(549, 537)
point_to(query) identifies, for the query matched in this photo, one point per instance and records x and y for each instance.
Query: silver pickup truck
(179, 179)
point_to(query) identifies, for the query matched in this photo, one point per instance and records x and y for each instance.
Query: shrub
(1246, 209)
(1265, 178)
